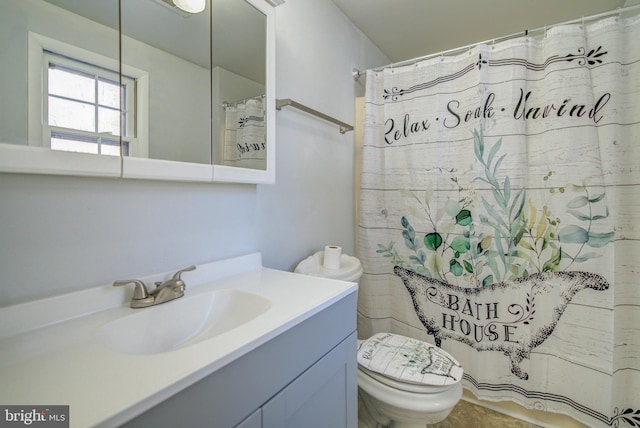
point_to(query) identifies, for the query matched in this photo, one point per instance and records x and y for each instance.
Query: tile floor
(469, 415)
(464, 415)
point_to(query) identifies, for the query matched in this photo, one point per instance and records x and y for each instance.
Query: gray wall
(312, 203)
(60, 234)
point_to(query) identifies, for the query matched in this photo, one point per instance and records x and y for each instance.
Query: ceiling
(406, 29)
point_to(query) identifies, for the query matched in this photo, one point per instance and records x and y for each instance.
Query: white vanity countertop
(49, 354)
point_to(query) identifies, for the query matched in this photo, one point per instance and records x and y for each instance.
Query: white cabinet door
(324, 396)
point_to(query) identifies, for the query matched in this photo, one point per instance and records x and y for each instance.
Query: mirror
(192, 96)
(239, 76)
(165, 53)
(195, 97)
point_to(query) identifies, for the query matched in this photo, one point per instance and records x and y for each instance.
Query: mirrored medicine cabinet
(138, 89)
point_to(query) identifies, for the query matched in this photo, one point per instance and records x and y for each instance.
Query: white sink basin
(181, 322)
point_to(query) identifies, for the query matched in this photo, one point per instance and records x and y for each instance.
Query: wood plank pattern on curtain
(498, 216)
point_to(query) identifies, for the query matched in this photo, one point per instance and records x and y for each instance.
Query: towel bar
(344, 127)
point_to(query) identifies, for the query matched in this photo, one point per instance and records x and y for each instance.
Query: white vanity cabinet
(321, 397)
(304, 377)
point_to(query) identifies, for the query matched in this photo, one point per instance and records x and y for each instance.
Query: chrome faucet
(165, 291)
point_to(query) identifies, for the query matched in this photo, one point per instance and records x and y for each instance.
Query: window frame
(96, 73)
(42, 49)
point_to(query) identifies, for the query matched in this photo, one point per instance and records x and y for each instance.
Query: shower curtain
(244, 136)
(500, 192)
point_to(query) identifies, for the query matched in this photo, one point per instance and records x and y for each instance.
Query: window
(82, 107)
(88, 84)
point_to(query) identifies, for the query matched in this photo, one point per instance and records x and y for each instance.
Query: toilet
(402, 382)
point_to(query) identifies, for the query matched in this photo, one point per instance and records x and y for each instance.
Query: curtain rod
(619, 11)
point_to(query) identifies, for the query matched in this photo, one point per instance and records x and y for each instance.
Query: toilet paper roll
(332, 256)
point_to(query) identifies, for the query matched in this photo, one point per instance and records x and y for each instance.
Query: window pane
(84, 107)
(71, 114)
(71, 85)
(125, 148)
(108, 120)
(108, 94)
(110, 147)
(67, 143)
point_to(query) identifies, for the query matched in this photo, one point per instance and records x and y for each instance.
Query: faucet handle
(187, 269)
(140, 291)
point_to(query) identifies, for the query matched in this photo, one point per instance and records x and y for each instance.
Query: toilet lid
(407, 360)
(403, 386)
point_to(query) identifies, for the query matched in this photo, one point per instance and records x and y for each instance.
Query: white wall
(312, 203)
(59, 234)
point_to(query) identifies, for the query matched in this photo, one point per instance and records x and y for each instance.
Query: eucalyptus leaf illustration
(578, 202)
(579, 215)
(455, 267)
(432, 241)
(502, 234)
(597, 240)
(467, 266)
(464, 218)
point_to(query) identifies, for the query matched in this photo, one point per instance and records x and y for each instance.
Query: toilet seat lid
(408, 360)
(403, 386)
